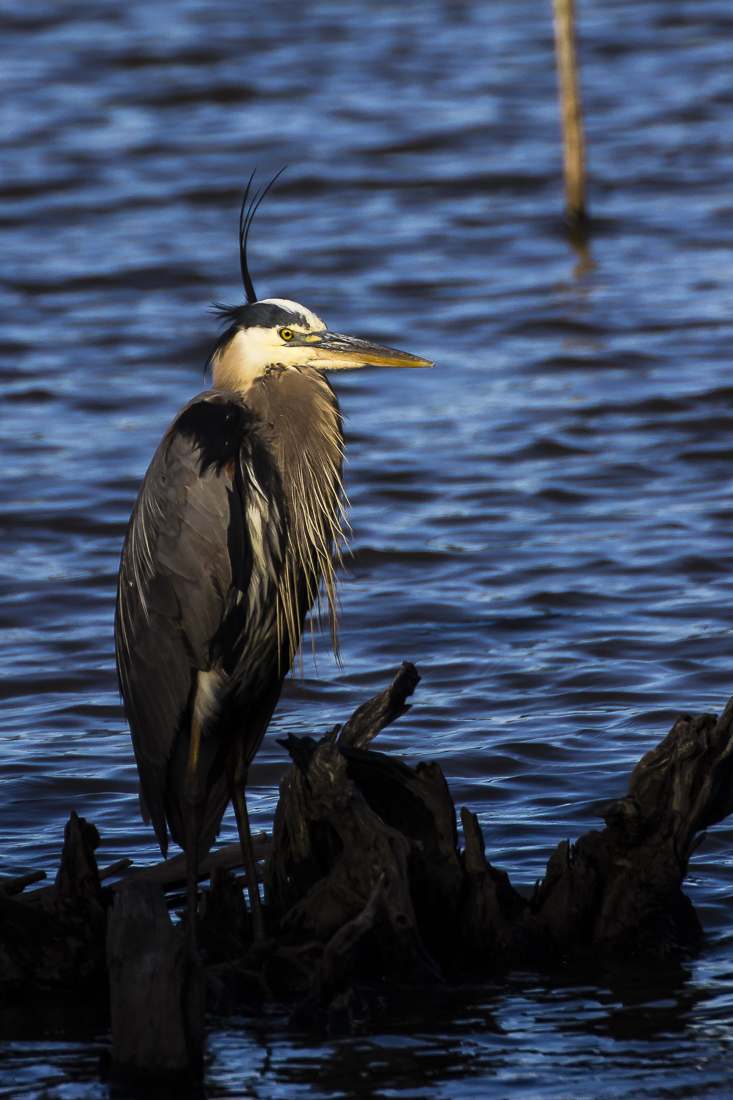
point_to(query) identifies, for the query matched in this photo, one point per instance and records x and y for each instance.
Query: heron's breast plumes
(300, 411)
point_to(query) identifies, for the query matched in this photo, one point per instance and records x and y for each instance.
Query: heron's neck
(300, 412)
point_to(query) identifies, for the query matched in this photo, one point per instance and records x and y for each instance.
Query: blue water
(542, 523)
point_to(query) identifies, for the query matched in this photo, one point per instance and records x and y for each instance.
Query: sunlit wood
(571, 111)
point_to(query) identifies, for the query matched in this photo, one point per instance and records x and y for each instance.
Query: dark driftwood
(365, 881)
(156, 993)
(348, 815)
(171, 873)
(58, 939)
(10, 886)
(367, 721)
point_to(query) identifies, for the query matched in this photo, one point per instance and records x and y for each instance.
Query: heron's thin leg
(194, 805)
(237, 775)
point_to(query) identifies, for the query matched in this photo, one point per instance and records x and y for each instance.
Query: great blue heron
(229, 542)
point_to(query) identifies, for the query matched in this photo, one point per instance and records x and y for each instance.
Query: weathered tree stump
(225, 925)
(348, 815)
(619, 891)
(55, 936)
(366, 884)
(156, 995)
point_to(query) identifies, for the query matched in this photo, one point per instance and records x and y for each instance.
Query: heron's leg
(237, 777)
(194, 807)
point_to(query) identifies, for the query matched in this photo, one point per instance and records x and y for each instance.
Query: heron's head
(263, 336)
(275, 333)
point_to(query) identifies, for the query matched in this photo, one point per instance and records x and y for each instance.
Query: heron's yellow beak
(332, 351)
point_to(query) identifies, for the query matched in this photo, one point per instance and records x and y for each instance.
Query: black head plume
(246, 216)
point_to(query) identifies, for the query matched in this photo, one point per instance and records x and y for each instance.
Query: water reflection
(477, 1040)
(581, 245)
(407, 1045)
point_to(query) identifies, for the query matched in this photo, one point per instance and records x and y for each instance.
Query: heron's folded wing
(188, 562)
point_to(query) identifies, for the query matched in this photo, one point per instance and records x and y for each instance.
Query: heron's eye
(286, 333)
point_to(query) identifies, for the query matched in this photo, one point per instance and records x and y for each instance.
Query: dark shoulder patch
(217, 426)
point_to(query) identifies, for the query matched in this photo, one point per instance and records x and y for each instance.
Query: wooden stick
(115, 868)
(571, 111)
(172, 872)
(17, 885)
(169, 872)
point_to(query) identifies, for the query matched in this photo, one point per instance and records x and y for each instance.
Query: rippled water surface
(542, 523)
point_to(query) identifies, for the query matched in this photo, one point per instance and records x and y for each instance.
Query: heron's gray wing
(204, 544)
